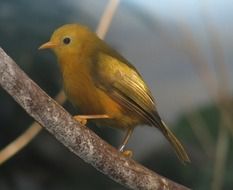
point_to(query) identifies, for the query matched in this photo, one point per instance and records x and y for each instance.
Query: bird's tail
(178, 147)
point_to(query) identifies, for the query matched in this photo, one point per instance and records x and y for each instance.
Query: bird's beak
(48, 45)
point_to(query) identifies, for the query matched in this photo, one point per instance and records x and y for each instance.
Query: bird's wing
(125, 85)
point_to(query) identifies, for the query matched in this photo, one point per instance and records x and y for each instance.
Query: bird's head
(68, 39)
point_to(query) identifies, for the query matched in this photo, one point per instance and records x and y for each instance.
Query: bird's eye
(66, 40)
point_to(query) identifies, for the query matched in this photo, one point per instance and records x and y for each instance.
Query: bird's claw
(127, 153)
(81, 120)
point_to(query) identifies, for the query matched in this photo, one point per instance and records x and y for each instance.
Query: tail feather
(176, 144)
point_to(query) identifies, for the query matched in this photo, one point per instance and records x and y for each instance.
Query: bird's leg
(127, 153)
(83, 118)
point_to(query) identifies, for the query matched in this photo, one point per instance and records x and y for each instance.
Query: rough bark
(78, 139)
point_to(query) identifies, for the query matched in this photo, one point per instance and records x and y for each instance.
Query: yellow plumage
(99, 81)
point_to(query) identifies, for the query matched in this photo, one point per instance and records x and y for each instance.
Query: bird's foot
(127, 153)
(82, 119)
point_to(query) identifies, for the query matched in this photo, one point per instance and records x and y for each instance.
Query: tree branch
(78, 139)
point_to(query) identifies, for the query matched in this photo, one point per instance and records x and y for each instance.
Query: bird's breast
(83, 93)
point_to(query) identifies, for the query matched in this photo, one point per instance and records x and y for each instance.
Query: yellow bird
(104, 86)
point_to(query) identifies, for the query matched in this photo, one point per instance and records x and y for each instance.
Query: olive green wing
(125, 85)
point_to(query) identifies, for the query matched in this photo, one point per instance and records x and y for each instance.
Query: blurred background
(182, 48)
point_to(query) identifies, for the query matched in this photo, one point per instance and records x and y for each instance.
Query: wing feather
(124, 84)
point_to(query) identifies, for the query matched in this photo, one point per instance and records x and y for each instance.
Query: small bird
(104, 86)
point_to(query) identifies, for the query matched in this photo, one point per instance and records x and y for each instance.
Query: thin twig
(77, 138)
(21, 141)
(106, 18)
(221, 153)
(192, 49)
(220, 159)
(202, 134)
(219, 95)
